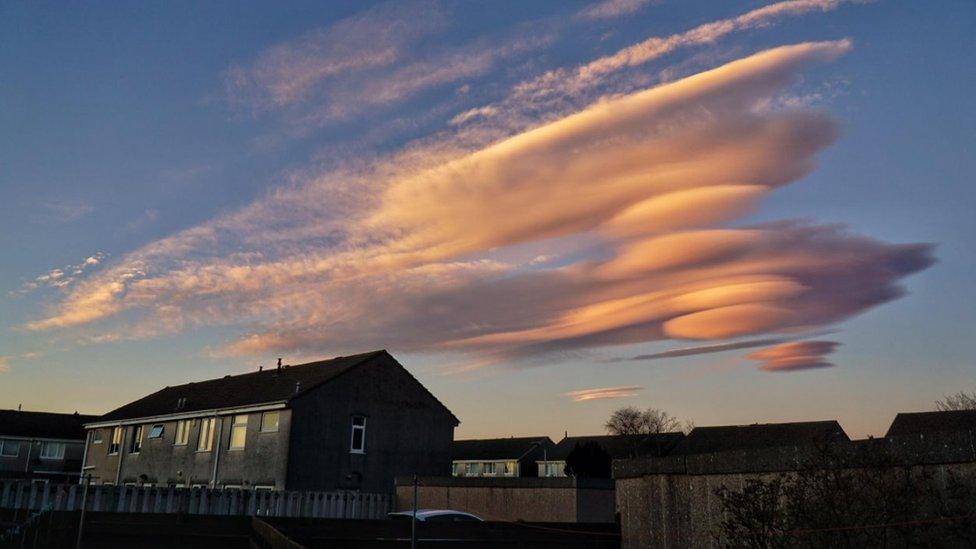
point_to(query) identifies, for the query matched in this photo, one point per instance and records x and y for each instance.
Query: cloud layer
(603, 393)
(631, 198)
(796, 355)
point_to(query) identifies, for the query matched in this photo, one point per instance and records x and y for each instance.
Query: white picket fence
(197, 501)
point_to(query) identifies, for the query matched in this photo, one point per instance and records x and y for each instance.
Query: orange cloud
(434, 248)
(604, 393)
(796, 355)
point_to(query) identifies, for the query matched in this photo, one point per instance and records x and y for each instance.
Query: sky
(737, 212)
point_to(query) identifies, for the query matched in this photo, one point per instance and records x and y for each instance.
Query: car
(436, 515)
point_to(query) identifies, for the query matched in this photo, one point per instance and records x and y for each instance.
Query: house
(351, 422)
(499, 457)
(921, 423)
(617, 446)
(706, 440)
(41, 445)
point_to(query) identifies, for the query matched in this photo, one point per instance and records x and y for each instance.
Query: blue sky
(513, 198)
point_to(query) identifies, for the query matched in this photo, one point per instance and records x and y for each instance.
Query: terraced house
(41, 445)
(351, 422)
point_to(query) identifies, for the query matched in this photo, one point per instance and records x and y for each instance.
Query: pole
(84, 503)
(413, 517)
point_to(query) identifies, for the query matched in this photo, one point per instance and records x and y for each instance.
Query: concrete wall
(526, 499)
(407, 431)
(263, 461)
(671, 501)
(29, 464)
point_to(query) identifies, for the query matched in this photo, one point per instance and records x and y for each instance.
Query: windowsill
(51, 459)
(113, 453)
(203, 451)
(275, 431)
(184, 445)
(359, 452)
(241, 449)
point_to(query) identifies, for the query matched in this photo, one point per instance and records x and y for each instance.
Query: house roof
(918, 423)
(497, 448)
(262, 387)
(14, 423)
(622, 446)
(704, 440)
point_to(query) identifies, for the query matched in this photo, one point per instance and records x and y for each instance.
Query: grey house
(41, 445)
(499, 457)
(616, 446)
(351, 422)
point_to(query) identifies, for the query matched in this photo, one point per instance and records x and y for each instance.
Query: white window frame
(238, 422)
(153, 433)
(488, 469)
(264, 421)
(135, 445)
(57, 454)
(352, 436)
(9, 443)
(207, 427)
(182, 437)
(96, 436)
(116, 441)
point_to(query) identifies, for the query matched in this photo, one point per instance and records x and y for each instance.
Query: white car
(436, 515)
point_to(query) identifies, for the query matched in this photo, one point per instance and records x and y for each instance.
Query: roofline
(365, 359)
(274, 405)
(43, 439)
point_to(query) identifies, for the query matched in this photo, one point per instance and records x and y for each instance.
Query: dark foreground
(110, 530)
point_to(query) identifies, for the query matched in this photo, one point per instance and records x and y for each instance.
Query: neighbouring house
(499, 457)
(351, 422)
(617, 446)
(41, 445)
(725, 438)
(922, 423)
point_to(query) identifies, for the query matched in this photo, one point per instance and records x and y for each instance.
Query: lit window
(269, 422)
(509, 468)
(358, 444)
(136, 445)
(9, 448)
(489, 469)
(205, 442)
(182, 433)
(238, 432)
(116, 444)
(52, 450)
(96, 436)
(156, 431)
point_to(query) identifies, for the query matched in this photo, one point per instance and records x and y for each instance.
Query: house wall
(262, 462)
(513, 499)
(407, 431)
(29, 464)
(671, 501)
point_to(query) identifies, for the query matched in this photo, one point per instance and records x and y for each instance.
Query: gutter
(190, 415)
(118, 472)
(220, 431)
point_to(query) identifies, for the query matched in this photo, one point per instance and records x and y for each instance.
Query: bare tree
(632, 421)
(959, 401)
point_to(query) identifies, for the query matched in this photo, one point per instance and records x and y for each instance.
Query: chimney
(19, 406)
(279, 364)
(260, 368)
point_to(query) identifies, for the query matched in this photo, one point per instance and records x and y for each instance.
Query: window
(116, 443)
(553, 468)
(136, 444)
(52, 450)
(205, 442)
(96, 436)
(269, 422)
(358, 444)
(9, 448)
(455, 469)
(489, 469)
(182, 433)
(238, 432)
(471, 469)
(156, 431)
(509, 468)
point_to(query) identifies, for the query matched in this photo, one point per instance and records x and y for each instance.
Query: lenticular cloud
(631, 198)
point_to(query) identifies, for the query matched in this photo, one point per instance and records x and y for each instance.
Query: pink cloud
(796, 355)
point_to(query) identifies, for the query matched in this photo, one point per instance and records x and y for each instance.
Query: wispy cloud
(64, 210)
(636, 189)
(61, 277)
(705, 349)
(797, 355)
(377, 58)
(602, 393)
(607, 9)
